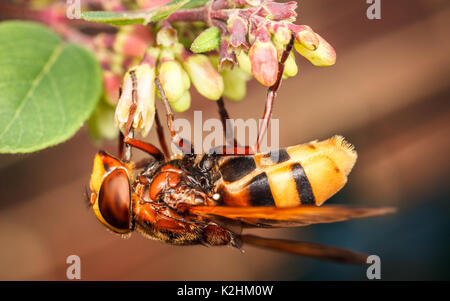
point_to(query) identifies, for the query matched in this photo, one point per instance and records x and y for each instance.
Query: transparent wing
(307, 249)
(288, 217)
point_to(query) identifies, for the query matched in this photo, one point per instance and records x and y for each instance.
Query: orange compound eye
(114, 201)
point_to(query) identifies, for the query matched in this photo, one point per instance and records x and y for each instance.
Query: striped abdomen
(303, 174)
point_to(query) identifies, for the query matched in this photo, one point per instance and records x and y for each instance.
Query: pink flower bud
(112, 5)
(133, 40)
(281, 32)
(322, 56)
(263, 58)
(279, 11)
(221, 4)
(111, 85)
(240, 3)
(227, 56)
(305, 36)
(238, 29)
(104, 40)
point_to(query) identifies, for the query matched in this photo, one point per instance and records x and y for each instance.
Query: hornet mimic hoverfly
(209, 198)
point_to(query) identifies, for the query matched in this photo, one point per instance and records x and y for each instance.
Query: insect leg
(235, 150)
(184, 145)
(121, 136)
(226, 124)
(232, 147)
(161, 138)
(128, 136)
(271, 93)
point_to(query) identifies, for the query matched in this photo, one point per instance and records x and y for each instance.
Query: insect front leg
(161, 138)
(183, 144)
(128, 138)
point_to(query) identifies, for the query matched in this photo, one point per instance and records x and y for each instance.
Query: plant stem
(193, 14)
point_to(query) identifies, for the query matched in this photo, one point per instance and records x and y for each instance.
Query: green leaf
(208, 40)
(195, 3)
(115, 18)
(127, 18)
(48, 87)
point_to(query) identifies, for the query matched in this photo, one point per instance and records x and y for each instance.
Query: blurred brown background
(388, 94)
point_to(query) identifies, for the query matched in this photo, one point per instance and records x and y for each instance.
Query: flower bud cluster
(117, 53)
(176, 69)
(260, 30)
(242, 39)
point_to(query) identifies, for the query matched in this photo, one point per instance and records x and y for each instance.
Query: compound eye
(114, 200)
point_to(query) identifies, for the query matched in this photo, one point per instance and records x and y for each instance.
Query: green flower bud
(324, 55)
(183, 103)
(204, 76)
(208, 40)
(101, 123)
(235, 83)
(214, 59)
(186, 79)
(307, 37)
(166, 37)
(244, 62)
(166, 54)
(172, 80)
(290, 67)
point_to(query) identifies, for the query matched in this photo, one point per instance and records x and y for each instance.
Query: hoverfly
(209, 198)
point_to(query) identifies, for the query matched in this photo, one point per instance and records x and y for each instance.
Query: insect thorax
(188, 180)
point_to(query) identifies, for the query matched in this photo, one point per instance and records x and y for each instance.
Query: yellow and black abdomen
(305, 174)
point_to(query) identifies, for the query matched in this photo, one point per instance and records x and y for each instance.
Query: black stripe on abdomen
(278, 156)
(236, 168)
(303, 185)
(259, 190)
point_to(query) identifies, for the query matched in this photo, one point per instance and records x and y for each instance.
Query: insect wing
(307, 249)
(288, 217)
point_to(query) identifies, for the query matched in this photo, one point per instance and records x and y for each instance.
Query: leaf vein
(52, 59)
